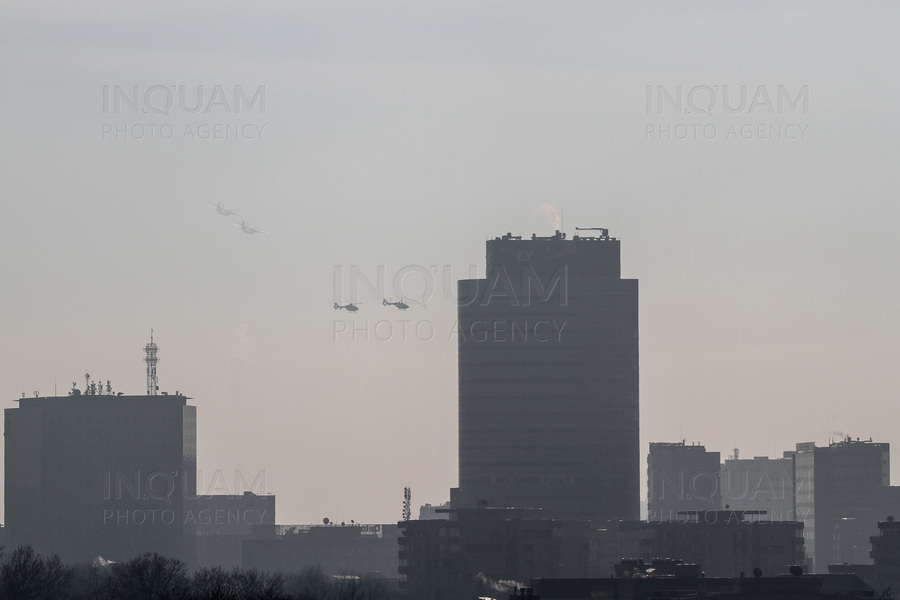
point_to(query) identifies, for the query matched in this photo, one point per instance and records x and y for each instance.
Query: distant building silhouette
(345, 549)
(886, 555)
(724, 543)
(428, 512)
(760, 483)
(842, 480)
(656, 585)
(681, 478)
(221, 523)
(100, 475)
(480, 551)
(548, 380)
(852, 535)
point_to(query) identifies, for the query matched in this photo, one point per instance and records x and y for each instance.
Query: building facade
(885, 555)
(672, 587)
(548, 380)
(724, 543)
(681, 478)
(478, 552)
(337, 550)
(100, 475)
(221, 523)
(843, 480)
(760, 483)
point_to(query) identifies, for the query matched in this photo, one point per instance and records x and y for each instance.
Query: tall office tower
(94, 474)
(681, 478)
(841, 481)
(760, 483)
(548, 380)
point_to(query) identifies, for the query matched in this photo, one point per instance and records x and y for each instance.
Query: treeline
(26, 575)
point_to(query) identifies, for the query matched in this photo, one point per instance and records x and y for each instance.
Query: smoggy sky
(395, 138)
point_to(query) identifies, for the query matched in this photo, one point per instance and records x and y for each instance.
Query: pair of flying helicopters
(351, 307)
(227, 212)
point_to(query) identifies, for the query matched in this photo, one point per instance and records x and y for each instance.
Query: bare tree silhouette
(26, 575)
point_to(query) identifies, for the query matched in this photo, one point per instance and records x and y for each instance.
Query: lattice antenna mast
(407, 503)
(151, 360)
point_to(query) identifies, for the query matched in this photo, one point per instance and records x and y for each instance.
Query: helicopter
(401, 304)
(349, 307)
(249, 229)
(225, 212)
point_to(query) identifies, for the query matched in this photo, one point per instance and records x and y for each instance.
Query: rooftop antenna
(151, 360)
(407, 503)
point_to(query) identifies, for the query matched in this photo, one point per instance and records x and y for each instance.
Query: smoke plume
(550, 214)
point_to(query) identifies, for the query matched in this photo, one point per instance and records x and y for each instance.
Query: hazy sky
(399, 136)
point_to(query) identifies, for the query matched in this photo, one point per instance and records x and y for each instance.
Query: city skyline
(404, 136)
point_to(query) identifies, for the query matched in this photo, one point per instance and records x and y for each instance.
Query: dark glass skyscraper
(548, 379)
